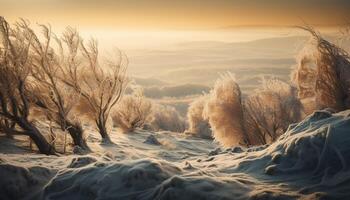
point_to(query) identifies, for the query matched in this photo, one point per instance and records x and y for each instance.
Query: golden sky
(177, 14)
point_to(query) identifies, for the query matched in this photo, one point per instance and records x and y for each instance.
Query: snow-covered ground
(310, 161)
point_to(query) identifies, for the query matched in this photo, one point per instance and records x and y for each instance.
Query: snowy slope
(310, 161)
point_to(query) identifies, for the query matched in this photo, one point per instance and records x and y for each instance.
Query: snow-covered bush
(132, 111)
(224, 111)
(257, 119)
(166, 118)
(198, 125)
(269, 111)
(322, 75)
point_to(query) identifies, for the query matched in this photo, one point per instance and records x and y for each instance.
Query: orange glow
(156, 14)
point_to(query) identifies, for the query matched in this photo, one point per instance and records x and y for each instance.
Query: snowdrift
(311, 160)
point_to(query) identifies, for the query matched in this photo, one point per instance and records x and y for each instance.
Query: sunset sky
(179, 14)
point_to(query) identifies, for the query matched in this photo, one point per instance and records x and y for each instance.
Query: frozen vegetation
(309, 161)
(70, 130)
(320, 80)
(198, 122)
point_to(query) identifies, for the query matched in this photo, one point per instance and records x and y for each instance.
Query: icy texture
(310, 161)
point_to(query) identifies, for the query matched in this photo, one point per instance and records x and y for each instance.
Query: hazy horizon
(182, 46)
(167, 15)
(175, 100)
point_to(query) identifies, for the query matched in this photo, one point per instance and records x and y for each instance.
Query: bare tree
(132, 111)
(269, 111)
(15, 98)
(101, 87)
(262, 114)
(52, 96)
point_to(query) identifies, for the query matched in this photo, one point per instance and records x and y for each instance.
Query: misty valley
(235, 113)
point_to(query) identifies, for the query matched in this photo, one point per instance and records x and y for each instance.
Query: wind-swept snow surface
(310, 161)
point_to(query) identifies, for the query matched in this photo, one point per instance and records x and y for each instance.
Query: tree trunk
(35, 135)
(40, 141)
(76, 132)
(103, 132)
(6, 126)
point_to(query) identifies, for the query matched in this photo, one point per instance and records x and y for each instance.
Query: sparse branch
(54, 97)
(14, 96)
(322, 75)
(101, 85)
(269, 111)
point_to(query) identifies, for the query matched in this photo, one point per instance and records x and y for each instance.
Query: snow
(310, 161)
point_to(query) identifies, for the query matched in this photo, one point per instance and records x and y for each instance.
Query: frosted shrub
(166, 118)
(132, 111)
(269, 111)
(198, 125)
(224, 112)
(322, 75)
